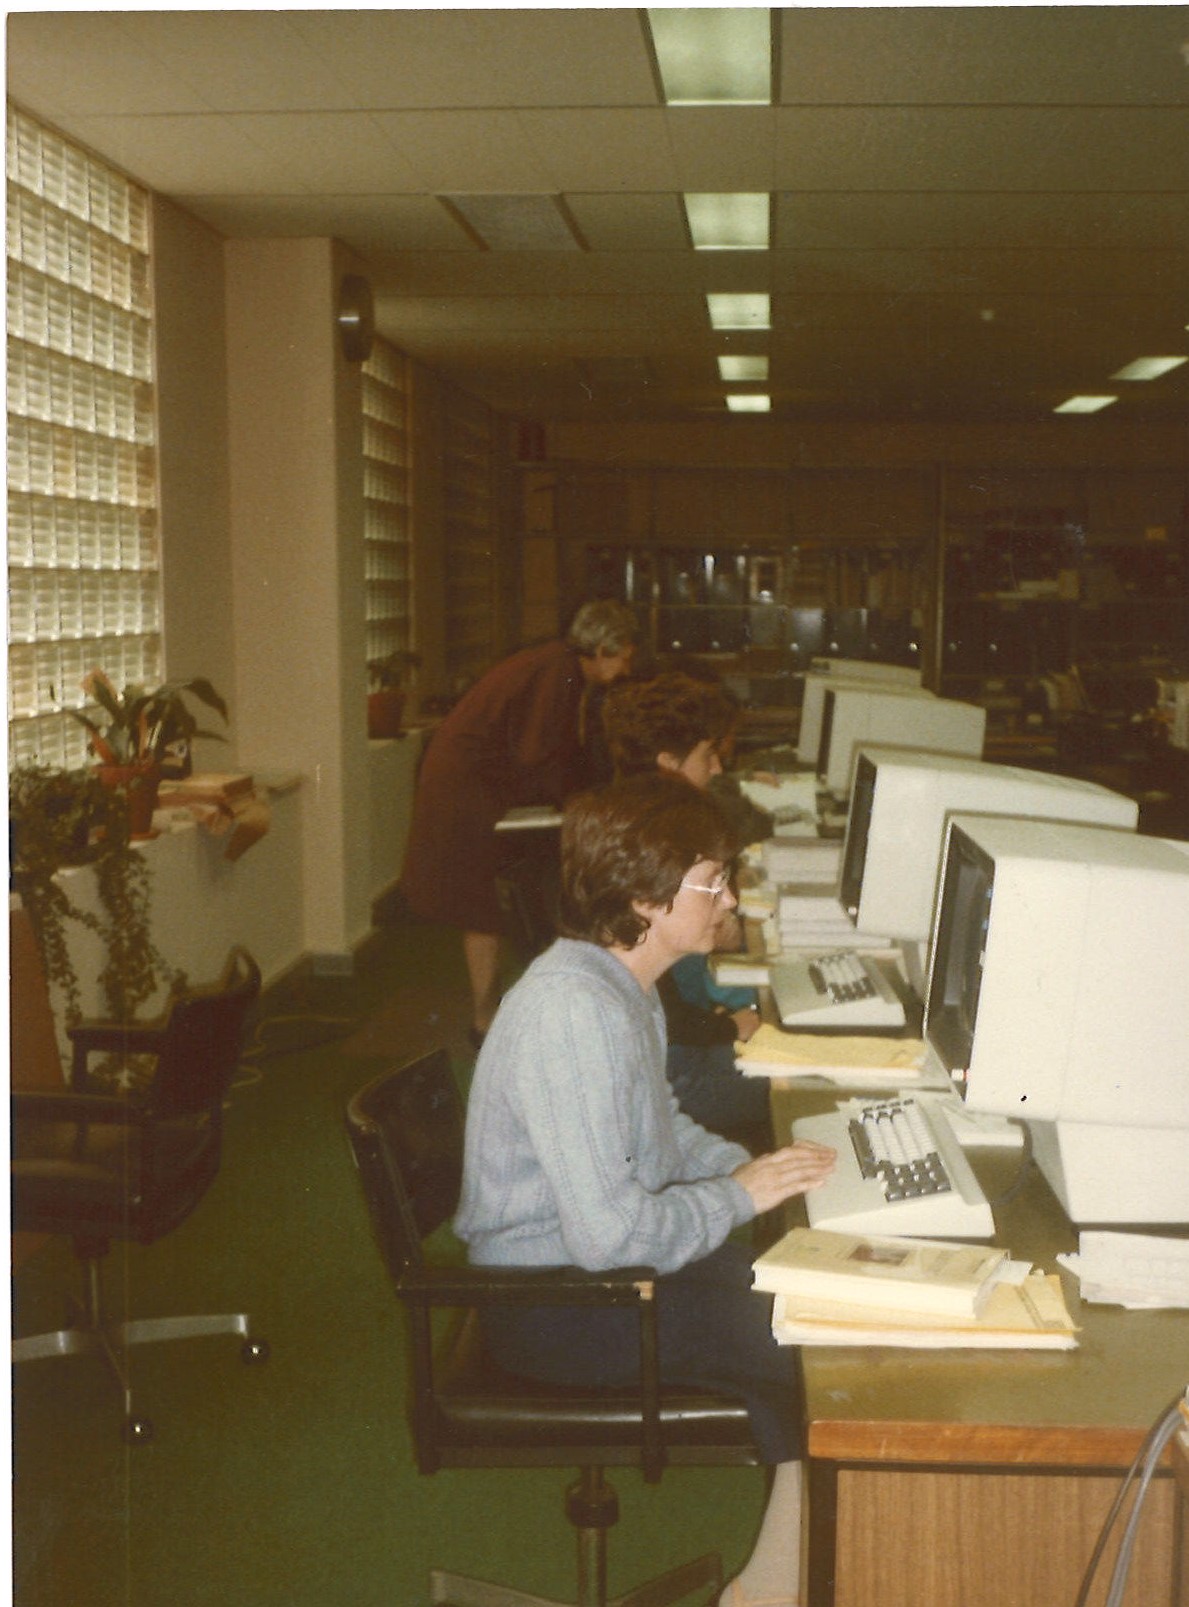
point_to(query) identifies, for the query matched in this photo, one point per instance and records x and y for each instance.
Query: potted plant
(142, 732)
(386, 700)
(58, 819)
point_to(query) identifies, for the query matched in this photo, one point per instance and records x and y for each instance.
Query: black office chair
(406, 1134)
(100, 1165)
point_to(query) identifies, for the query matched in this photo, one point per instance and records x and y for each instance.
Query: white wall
(262, 568)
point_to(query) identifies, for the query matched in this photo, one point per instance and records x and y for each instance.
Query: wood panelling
(989, 1540)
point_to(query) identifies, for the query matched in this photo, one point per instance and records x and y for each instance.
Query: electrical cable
(1158, 1437)
(1165, 1429)
(249, 1073)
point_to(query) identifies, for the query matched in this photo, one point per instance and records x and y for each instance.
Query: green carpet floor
(292, 1484)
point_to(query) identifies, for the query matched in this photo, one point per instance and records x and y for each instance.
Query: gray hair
(602, 626)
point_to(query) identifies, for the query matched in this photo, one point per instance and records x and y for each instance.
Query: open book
(913, 1275)
(1030, 1315)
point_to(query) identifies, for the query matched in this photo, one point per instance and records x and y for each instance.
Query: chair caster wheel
(254, 1351)
(137, 1431)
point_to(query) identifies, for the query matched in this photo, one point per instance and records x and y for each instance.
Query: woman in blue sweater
(577, 1153)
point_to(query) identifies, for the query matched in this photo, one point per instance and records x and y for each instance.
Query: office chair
(406, 1130)
(99, 1165)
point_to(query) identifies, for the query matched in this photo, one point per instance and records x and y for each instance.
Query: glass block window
(388, 549)
(83, 547)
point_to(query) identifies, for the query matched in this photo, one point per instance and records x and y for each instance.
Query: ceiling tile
(90, 63)
(178, 154)
(948, 55)
(466, 151)
(629, 222)
(584, 150)
(375, 226)
(979, 148)
(468, 58)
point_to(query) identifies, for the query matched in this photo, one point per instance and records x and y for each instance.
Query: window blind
(83, 539)
(387, 546)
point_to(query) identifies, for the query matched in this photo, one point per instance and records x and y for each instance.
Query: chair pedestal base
(455, 1590)
(88, 1336)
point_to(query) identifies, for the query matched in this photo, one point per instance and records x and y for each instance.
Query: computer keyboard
(835, 989)
(898, 1171)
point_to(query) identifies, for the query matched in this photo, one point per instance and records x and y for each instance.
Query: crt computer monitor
(902, 718)
(816, 683)
(895, 829)
(1057, 993)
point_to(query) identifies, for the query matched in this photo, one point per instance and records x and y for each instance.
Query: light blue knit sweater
(576, 1152)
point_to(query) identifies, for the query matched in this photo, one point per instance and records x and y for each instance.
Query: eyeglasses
(715, 888)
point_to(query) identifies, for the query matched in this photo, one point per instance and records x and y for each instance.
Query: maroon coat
(512, 739)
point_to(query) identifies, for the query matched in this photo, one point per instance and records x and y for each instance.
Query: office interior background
(836, 361)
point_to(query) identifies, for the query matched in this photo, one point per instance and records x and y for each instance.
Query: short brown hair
(632, 842)
(669, 714)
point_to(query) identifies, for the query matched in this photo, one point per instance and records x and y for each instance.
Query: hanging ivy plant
(64, 818)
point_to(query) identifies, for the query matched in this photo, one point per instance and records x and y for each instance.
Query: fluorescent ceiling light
(1085, 404)
(729, 310)
(1149, 367)
(714, 55)
(735, 221)
(749, 404)
(742, 368)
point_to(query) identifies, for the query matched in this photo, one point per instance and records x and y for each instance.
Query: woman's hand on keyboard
(772, 1179)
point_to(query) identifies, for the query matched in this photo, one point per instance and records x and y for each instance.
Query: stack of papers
(849, 1060)
(909, 1292)
(921, 1275)
(784, 798)
(1137, 1270)
(801, 859)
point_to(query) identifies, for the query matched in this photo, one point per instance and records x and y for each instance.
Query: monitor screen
(826, 733)
(858, 835)
(956, 972)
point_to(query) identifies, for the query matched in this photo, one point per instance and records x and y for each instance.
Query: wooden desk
(967, 1479)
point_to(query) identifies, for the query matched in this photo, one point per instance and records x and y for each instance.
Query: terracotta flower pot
(140, 783)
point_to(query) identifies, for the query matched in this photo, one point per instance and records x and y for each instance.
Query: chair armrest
(46, 1105)
(116, 1037)
(521, 1286)
(558, 1286)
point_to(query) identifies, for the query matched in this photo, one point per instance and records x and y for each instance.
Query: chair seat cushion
(65, 1180)
(481, 1405)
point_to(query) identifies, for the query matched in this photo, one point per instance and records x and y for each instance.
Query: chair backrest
(203, 1037)
(406, 1132)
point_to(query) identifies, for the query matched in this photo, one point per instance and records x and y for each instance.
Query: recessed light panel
(737, 221)
(1149, 367)
(742, 368)
(730, 310)
(714, 55)
(516, 222)
(1085, 404)
(749, 404)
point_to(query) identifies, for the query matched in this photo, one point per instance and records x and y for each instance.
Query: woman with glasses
(576, 1153)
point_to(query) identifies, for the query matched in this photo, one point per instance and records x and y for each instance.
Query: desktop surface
(1084, 1408)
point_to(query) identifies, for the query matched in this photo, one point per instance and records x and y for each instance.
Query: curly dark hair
(670, 714)
(633, 842)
